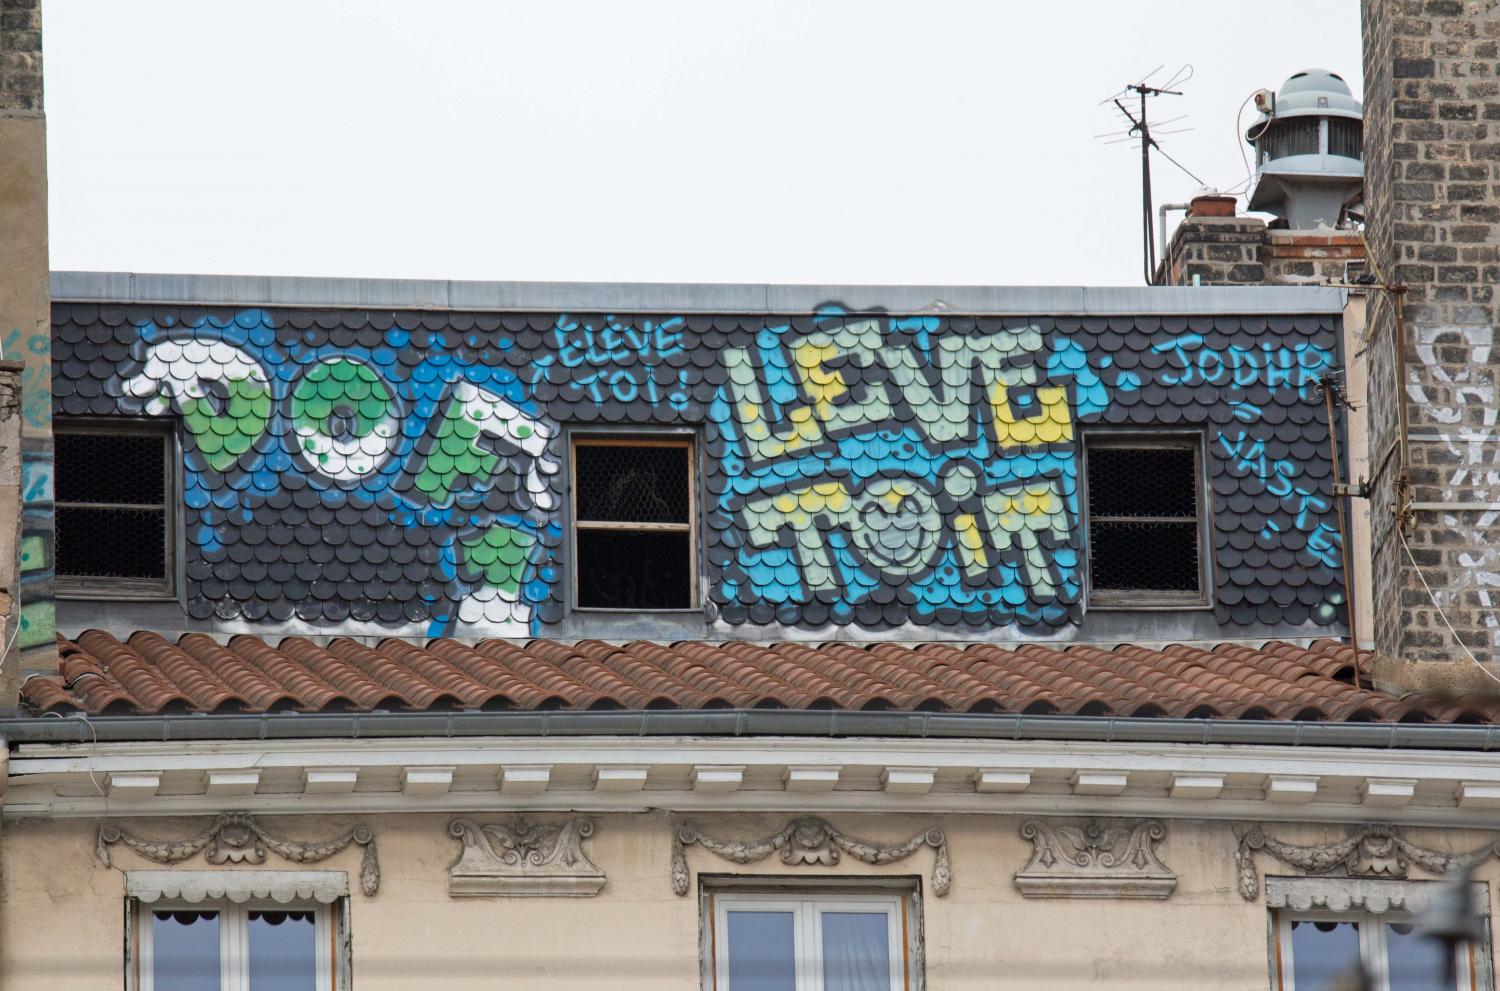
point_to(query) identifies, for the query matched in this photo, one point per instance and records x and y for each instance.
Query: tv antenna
(1140, 129)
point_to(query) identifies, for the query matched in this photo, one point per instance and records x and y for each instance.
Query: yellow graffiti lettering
(1051, 424)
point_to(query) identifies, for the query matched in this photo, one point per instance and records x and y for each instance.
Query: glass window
(114, 509)
(1145, 523)
(234, 948)
(1322, 950)
(633, 519)
(827, 943)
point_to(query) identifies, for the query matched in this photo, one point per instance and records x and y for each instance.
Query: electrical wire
(1442, 615)
(1175, 162)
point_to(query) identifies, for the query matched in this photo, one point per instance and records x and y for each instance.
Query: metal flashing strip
(77, 728)
(641, 297)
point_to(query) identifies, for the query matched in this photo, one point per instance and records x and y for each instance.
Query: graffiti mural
(37, 634)
(881, 470)
(406, 471)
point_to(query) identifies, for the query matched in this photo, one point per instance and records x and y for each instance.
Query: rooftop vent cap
(1309, 152)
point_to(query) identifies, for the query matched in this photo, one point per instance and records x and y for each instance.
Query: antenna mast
(1140, 127)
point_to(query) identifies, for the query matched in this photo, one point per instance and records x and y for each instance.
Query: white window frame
(807, 922)
(234, 939)
(1373, 903)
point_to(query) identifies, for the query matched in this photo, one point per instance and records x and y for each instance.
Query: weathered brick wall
(20, 56)
(1217, 251)
(1310, 257)
(1431, 164)
(1242, 251)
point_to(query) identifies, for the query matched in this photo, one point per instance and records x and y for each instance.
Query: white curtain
(856, 952)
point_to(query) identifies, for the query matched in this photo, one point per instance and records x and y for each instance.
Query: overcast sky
(654, 140)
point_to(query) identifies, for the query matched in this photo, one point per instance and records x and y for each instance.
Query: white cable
(6, 652)
(1239, 137)
(1442, 615)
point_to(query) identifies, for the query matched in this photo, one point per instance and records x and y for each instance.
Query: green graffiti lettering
(499, 555)
(345, 418)
(222, 393)
(222, 435)
(456, 458)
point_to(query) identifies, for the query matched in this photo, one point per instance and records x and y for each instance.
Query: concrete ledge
(628, 297)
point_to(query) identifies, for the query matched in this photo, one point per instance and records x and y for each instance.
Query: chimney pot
(1211, 205)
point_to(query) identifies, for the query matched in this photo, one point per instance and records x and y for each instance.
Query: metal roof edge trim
(628, 297)
(77, 728)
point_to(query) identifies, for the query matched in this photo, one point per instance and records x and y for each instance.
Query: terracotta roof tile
(148, 673)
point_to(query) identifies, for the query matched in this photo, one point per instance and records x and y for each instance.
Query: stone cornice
(795, 775)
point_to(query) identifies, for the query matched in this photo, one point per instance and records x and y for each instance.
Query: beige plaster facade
(63, 912)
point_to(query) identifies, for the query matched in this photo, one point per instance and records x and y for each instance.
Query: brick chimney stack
(1432, 194)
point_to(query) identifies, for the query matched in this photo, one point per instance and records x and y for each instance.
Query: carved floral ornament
(1370, 850)
(808, 840)
(524, 859)
(236, 838)
(1095, 858)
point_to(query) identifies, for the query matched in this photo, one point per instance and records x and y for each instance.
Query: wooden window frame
(686, 442)
(123, 588)
(1372, 947)
(1146, 599)
(329, 936)
(807, 904)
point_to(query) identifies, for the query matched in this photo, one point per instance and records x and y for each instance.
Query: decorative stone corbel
(1095, 858)
(524, 858)
(236, 838)
(808, 840)
(1369, 850)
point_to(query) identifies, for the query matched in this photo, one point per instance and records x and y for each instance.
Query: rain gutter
(740, 723)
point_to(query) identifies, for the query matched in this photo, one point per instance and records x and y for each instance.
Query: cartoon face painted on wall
(403, 471)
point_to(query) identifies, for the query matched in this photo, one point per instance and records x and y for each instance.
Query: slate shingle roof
(148, 673)
(444, 510)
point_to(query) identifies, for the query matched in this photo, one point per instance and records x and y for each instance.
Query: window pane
(762, 952)
(110, 468)
(185, 951)
(632, 484)
(856, 951)
(1416, 962)
(1323, 952)
(283, 951)
(1143, 481)
(625, 570)
(111, 543)
(1154, 557)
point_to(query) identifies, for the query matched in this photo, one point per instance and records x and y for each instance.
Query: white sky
(876, 141)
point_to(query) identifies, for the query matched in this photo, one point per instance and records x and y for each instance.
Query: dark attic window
(1146, 534)
(633, 521)
(114, 535)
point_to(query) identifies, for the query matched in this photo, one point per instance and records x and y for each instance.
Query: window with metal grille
(633, 520)
(1145, 523)
(114, 521)
(1346, 137)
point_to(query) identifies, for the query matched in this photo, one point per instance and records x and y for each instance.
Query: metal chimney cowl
(1309, 151)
